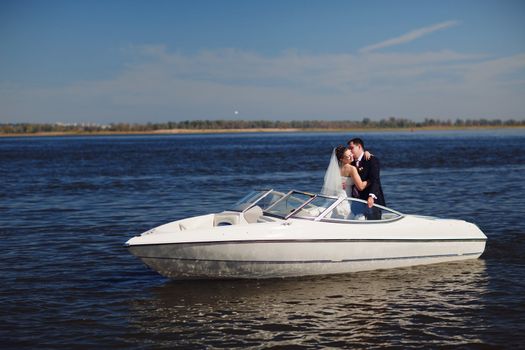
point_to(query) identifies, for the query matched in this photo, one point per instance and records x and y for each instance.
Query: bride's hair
(339, 153)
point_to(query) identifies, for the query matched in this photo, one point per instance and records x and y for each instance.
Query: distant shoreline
(256, 130)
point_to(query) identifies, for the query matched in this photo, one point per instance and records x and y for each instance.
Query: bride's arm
(352, 172)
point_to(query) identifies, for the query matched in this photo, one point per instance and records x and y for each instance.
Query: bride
(341, 175)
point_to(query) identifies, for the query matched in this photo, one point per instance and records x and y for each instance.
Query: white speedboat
(270, 234)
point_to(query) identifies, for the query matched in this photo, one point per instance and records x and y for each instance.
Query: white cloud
(410, 36)
(161, 86)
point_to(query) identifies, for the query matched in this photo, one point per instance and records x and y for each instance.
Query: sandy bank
(259, 130)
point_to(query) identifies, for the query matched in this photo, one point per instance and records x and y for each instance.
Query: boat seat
(253, 214)
(225, 219)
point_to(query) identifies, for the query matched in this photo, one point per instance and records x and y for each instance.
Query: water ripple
(69, 204)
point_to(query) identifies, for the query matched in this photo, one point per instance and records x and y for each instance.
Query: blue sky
(153, 61)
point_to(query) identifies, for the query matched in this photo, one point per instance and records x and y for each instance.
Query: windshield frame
(287, 195)
(341, 199)
(296, 213)
(252, 204)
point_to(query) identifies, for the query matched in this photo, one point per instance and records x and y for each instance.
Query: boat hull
(294, 258)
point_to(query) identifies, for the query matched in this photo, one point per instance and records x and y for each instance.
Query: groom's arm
(373, 177)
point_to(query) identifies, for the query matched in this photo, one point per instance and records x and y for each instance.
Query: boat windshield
(288, 204)
(262, 198)
(352, 209)
(315, 208)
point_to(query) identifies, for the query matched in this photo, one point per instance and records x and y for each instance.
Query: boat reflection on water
(438, 304)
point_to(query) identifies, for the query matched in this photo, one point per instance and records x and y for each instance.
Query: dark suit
(369, 171)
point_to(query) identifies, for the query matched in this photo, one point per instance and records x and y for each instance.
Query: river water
(68, 204)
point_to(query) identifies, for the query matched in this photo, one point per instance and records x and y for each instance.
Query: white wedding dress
(333, 186)
(347, 185)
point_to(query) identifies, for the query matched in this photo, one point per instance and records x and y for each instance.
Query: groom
(368, 171)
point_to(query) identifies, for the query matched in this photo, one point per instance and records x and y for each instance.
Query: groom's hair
(357, 141)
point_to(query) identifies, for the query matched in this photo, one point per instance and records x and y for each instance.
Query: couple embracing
(354, 172)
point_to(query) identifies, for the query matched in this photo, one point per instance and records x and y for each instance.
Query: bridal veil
(333, 185)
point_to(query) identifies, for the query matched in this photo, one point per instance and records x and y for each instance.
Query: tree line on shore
(366, 123)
